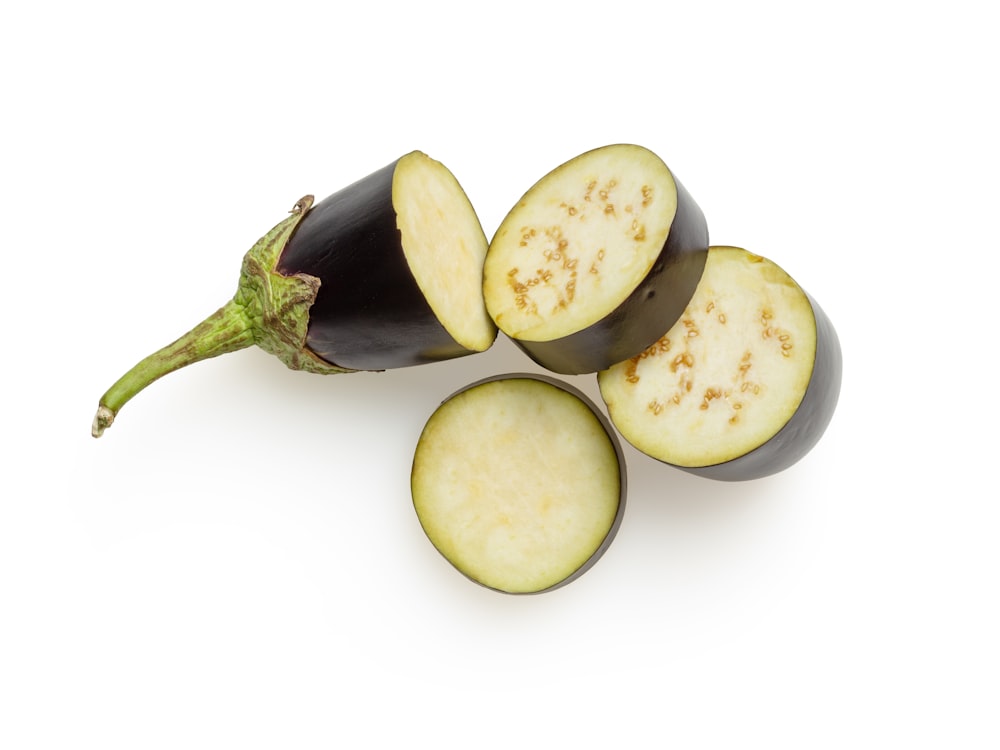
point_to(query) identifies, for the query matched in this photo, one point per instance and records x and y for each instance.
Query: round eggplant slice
(519, 482)
(742, 386)
(385, 273)
(596, 260)
(400, 254)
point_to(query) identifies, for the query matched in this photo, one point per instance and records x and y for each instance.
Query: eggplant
(742, 386)
(596, 260)
(385, 273)
(519, 482)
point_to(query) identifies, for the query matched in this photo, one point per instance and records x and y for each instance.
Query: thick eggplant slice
(385, 273)
(742, 386)
(596, 260)
(519, 482)
(401, 254)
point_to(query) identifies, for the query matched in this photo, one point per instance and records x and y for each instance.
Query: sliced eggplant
(519, 482)
(400, 254)
(385, 273)
(596, 260)
(742, 386)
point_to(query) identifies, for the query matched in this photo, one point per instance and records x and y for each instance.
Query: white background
(236, 563)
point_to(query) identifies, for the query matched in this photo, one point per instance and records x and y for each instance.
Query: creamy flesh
(517, 483)
(444, 246)
(579, 242)
(728, 376)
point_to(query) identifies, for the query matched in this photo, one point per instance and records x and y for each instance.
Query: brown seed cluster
(682, 364)
(720, 316)
(710, 395)
(684, 387)
(556, 247)
(555, 254)
(596, 265)
(772, 332)
(746, 387)
(522, 288)
(682, 360)
(660, 347)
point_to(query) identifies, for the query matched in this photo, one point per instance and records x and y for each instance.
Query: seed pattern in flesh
(743, 385)
(557, 261)
(772, 333)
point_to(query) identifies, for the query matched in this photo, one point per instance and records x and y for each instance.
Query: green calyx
(268, 309)
(277, 306)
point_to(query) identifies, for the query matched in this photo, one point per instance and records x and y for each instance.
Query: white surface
(236, 562)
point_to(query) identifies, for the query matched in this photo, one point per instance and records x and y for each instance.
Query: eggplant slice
(742, 386)
(519, 482)
(400, 254)
(596, 260)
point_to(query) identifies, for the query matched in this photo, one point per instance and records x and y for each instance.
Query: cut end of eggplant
(519, 483)
(742, 386)
(598, 239)
(399, 255)
(579, 242)
(445, 247)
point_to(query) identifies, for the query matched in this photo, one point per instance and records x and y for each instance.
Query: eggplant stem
(228, 329)
(269, 309)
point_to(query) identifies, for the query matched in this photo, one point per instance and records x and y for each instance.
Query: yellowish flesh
(579, 242)
(516, 483)
(445, 247)
(728, 376)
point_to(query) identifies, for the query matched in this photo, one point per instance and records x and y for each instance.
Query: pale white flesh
(517, 483)
(445, 247)
(728, 376)
(579, 242)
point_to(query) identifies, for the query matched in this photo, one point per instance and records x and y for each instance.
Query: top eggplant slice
(596, 260)
(743, 386)
(385, 273)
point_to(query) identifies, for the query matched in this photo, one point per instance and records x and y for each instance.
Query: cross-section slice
(519, 483)
(595, 260)
(742, 386)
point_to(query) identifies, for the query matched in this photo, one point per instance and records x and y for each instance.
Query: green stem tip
(226, 330)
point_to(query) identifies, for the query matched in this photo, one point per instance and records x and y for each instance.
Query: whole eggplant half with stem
(385, 273)
(519, 482)
(742, 386)
(596, 260)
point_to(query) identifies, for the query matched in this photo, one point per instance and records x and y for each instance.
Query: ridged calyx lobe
(277, 306)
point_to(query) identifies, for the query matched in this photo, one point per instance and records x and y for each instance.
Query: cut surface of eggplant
(519, 482)
(595, 257)
(400, 254)
(742, 386)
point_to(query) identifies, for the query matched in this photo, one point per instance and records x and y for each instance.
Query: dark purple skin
(622, 478)
(801, 433)
(369, 313)
(639, 321)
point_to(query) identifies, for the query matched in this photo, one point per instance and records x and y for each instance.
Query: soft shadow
(670, 495)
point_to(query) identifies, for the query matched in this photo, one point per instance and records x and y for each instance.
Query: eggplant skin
(639, 320)
(805, 428)
(743, 386)
(369, 312)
